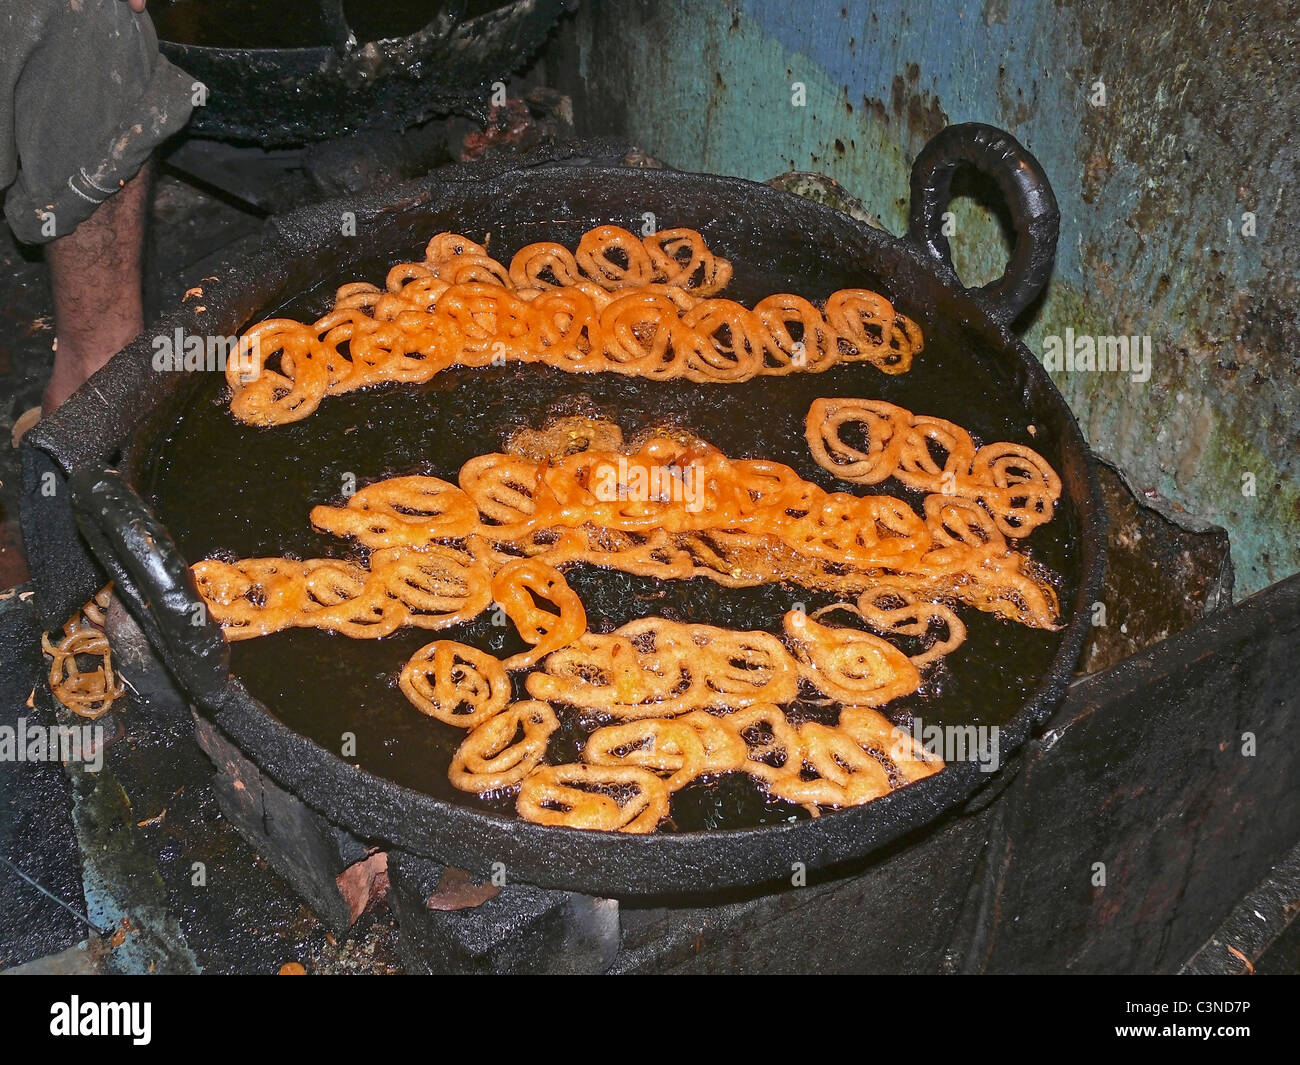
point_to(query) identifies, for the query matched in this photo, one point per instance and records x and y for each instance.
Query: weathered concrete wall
(1201, 104)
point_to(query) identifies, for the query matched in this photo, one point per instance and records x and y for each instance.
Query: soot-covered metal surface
(314, 72)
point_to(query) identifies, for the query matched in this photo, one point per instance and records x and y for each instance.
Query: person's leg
(85, 97)
(95, 272)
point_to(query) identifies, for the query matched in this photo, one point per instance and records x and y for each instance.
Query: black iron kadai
(216, 485)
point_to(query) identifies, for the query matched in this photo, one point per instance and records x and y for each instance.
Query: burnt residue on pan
(227, 489)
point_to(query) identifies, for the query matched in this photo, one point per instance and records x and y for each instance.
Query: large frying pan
(169, 437)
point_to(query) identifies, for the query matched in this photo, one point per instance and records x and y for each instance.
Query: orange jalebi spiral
(401, 512)
(1013, 483)
(852, 667)
(678, 508)
(640, 306)
(894, 608)
(517, 586)
(88, 693)
(442, 677)
(686, 747)
(503, 748)
(653, 667)
(607, 798)
(688, 700)
(432, 588)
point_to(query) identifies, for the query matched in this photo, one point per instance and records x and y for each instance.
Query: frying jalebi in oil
(860, 759)
(653, 667)
(873, 731)
(435, 587)
(773, 748)
(504, 748)
(401, 512)
(851, 667)
(638, 306)
(898, 610)
(444, 676)
(843, 773)
(1012, 482)
(673, 701)
(686, 747)
(605, 797)
(517, 586)
(676, 508)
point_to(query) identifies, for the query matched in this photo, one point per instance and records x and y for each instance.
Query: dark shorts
(84, 98)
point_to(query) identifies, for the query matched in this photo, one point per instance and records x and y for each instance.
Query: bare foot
(68, 376)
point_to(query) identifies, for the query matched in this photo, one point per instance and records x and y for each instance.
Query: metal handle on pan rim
(151, 576)
(1020, 179)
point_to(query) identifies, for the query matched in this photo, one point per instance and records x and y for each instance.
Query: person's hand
(137, 5)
